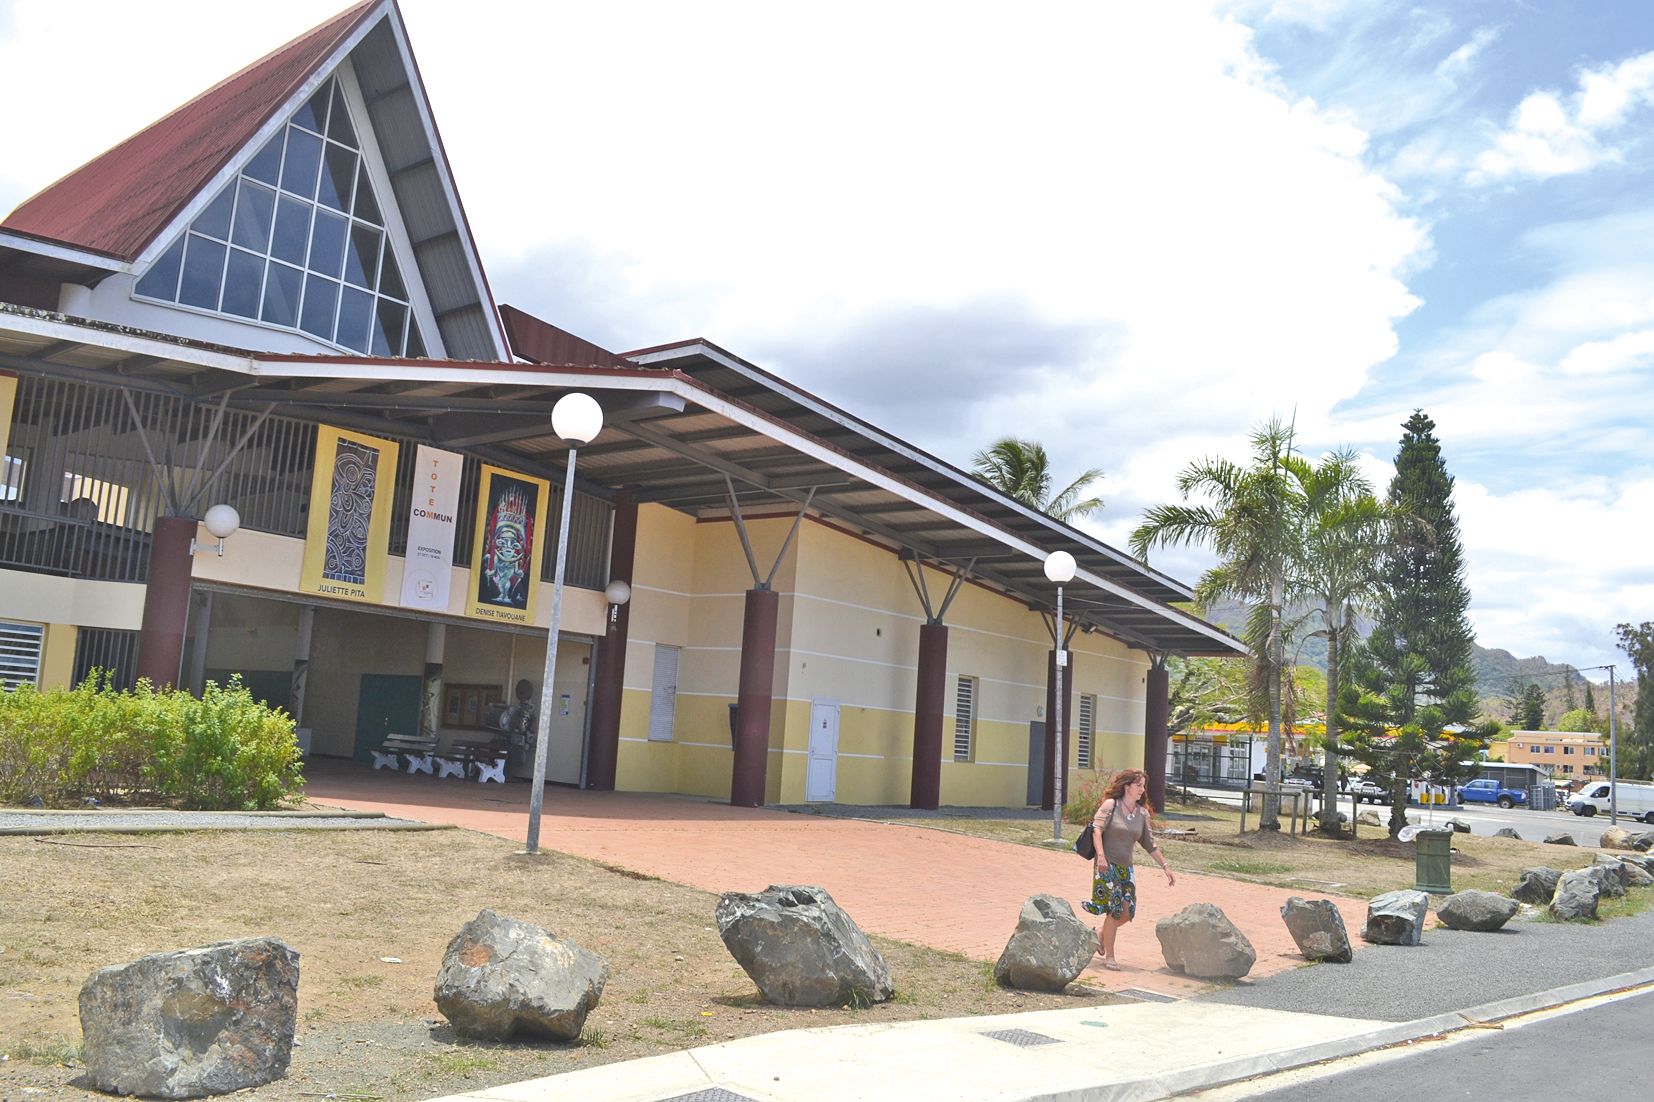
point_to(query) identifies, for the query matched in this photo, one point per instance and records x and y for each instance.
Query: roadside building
(1564, 755)
(270, 299)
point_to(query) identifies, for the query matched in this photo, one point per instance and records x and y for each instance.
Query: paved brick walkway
(912, 883)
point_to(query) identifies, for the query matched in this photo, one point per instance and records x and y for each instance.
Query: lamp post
(576, 419)
(1059, 568)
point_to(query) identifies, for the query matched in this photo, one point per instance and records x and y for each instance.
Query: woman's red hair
(1117, 786)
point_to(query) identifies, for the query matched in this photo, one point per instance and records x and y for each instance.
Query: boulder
(1561, 838)
(502, 978)
(1479, 911)
(1643, 861)
(1396, 918)
(1368, 818)
(1615, 838)
(1507, 832)
(1318, 929)
(1643, 842)
(1609, 881)
(1536, 885)
(1577, 893)
(190, 1023)
(1457, 826)
(1200, 941)
(1049, 949)
(1631, 870)
(801, 949)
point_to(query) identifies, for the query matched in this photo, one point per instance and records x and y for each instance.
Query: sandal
(1111, 965)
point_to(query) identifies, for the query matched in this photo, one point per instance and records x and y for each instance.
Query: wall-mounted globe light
(221, 522)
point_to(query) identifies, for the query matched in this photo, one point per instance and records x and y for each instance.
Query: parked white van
(1635, 801)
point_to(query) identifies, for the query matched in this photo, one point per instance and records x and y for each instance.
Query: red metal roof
(117, 203)
(544, 343)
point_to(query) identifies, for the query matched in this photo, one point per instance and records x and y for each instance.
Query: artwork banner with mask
(349, 531)
(509, 546)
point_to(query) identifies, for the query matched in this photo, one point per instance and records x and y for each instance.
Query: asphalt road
(1596, 1052)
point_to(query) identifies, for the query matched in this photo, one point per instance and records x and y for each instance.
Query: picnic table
(418, 749)
(486, 756)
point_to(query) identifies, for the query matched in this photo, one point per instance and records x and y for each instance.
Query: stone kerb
(191, 1023)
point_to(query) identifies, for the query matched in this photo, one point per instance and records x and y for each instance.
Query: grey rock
(1369, 818)
(1561, 838)
(1536, 885)
(1049, 949)
(1317, 928)
(1609, 881)
(1615, 838)
(1630, 871)
(1458, 826)
(1396, 918)
(801, 949)
(1576, 896)
(1200, 941)
(1643, 842)
(1474, 910)
(192, 1023)
(1507, 832)
(503, 978)
(1642, 861)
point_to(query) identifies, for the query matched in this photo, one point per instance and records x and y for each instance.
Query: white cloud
(1550, 134)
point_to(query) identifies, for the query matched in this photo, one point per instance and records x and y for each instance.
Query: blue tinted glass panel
(327, 244)
(292, 230)
(362, 257)
(215, 220)
(266, 163)
(390, 283)
(338, 173)
(321, 302)
(355, 315)
(367, 208)
(313, 114)
(387, 328)
(203, 271)
(338, 123)
(243, 280)
(416, 347)
(161, 281)
(253, 216)
(281, 295)
(298, 168)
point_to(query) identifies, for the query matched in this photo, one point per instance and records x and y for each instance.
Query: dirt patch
(371, 914)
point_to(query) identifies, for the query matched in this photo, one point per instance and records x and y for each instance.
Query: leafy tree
(1252, 518)
(1410, 704)
(1569, 700)
(1581, 721)
(1533, 708)
(1590, 698)
(1636, 746)
(1205, 691)
(1021, 469)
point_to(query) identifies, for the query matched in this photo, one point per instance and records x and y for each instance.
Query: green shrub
(223, 750)
(1085, 793)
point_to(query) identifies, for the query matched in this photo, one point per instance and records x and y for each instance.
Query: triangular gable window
(297, 242)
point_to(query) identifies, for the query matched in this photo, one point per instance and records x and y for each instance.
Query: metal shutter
(964, 718)
(663, 694)
(1086, 721)
(20, 646)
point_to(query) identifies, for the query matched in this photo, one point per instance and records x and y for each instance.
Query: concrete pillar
(929, 704)
(1156, 719)
(1046, 794)
(166, 600)
(198, 647)
(609, 674)
(430, 703)
(301, 664)
(752, 723)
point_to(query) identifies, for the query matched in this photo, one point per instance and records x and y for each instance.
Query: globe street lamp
(1059, 568)
(576, 419)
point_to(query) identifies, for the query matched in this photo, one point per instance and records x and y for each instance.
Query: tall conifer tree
(1413, 677)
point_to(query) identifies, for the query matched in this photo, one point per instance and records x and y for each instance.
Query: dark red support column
(166, 600)
(604, 753)
(1046, 792)
(929, 702)
(752, 720)
(1156, 716)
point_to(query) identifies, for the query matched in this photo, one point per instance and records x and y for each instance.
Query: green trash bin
(1434, 857)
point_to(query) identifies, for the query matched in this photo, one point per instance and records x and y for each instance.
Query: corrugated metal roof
(118, 202)
(542, 342)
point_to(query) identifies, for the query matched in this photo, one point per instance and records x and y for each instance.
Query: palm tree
(1253, 519)
(1020, 469)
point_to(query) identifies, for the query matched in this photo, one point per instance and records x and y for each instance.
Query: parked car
(1371, 792)
(1486, 790)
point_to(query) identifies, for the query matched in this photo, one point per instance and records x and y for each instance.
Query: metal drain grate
(1021, 1038)
(1146, 996)
(710, 1094)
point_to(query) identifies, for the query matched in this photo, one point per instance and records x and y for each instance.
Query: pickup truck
(1371, 792)
(1486, 790)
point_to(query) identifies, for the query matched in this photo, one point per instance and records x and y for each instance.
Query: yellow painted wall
(57, 659)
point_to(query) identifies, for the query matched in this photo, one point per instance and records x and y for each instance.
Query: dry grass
(348, 899)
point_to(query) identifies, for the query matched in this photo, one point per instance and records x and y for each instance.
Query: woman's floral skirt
(1113, 893)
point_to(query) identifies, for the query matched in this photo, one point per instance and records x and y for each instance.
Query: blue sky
(1132, 231)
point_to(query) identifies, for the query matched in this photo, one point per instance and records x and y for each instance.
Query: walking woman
(1120, 825)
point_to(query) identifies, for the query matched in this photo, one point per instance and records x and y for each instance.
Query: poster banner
(350, 516)
(431, 528)
(509, 545)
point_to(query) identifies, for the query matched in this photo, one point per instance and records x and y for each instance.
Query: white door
(821, 775)
(568, 712)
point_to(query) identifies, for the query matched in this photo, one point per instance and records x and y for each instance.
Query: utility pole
(1613, 756)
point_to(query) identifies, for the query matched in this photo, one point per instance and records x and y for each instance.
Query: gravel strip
(1453, 969)
(149, 822)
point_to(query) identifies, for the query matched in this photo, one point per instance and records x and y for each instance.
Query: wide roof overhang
(680, 434)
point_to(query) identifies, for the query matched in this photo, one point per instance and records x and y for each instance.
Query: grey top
(1121, 830)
